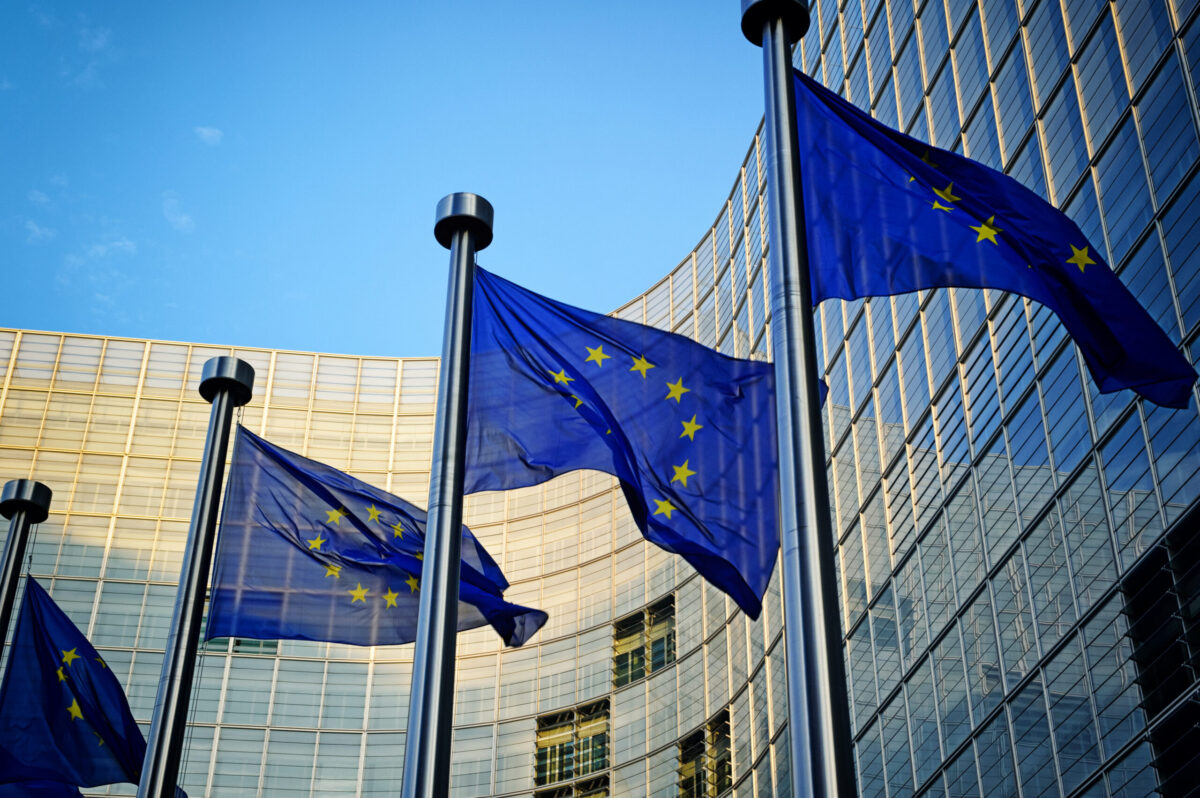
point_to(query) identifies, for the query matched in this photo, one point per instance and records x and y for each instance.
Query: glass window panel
(896, 754)
(1049, 580)
(298, 690)
(934, 35)
(1131, 498)
(1123, 191)
(288, 769)
(1014, 106)
(117, 616)
(1031, 738)
(1168, 135)
(1145, 28)
(970, 61)
(1102, 83)
(943, 109)
(984, 682)
(337, 764)
(922, 721)
(1013, 613)
(1047, 44)
(1062, 131)
(1071, 716)
(869, 756)
(1062, 394)
(1182, 236)
(1114, 678)
(993, 746)
(248, 694)
(239, 759)
(35, 359)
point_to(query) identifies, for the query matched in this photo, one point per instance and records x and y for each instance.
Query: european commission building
(1018, 561)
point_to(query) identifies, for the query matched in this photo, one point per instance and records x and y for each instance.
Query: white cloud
(116, 246)
(175, 215)
(35, 232)
(59, 181)
(209, 135)
(94, 40)
(38, 198)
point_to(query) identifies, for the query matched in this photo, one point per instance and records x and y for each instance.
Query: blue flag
(307, 552)
(64, 720)
(689, 432)
(887, 214)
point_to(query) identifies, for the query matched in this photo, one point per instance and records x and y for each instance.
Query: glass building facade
(1019, 568)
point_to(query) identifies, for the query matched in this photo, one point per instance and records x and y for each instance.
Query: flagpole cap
(464, 211)
(28, 495)
(755, 13)
(230, 374)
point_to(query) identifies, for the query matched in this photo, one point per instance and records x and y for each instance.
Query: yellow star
(69, 656)
(1080, 257)
(682, 472)
(641, 365)
(675, 390)
(390, 597)
(62, 677)
(372, 513)
(333, 570)
(99, 739)
(937, 206)
(76, 712)
(413, 583)
(690, 428)
(420, 555)
(335, 516)
(103, 664)
(947, 193)
(596, 355)
(315, 543)
(359, 593)
(578, 401)
(398, 530)
(560, 376)
(987, 230)
(664, 507)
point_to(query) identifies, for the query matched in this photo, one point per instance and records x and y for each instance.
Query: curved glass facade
(1017, 577)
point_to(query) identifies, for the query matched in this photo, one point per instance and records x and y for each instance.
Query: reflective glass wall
(992, 507)
(1010, 542)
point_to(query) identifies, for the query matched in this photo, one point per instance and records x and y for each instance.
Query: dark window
(705, 763)
(571, 744)
(644, 642)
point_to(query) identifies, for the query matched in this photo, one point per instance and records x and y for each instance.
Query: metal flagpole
(818, 706)
(464, 225)
(24, 502)
(226, 383)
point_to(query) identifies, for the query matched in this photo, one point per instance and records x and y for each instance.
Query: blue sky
(265, 174)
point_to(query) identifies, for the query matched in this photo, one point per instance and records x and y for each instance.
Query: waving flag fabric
(307, 552)
(64, 719)
(688, 431)
(887, 214)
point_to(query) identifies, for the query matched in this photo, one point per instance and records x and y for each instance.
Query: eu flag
(64, 720)
(887, 214)
(307, 552)
(689, 432)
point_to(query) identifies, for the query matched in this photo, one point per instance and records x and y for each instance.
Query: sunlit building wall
(1017, 584)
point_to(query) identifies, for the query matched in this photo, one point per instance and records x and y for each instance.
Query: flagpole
(464, 225)
(818, 706)
(24, 502)
(226, 383)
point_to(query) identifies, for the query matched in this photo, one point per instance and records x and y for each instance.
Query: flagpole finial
(464, 210)
(28, 495)
(227, 374)
(755, 13)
